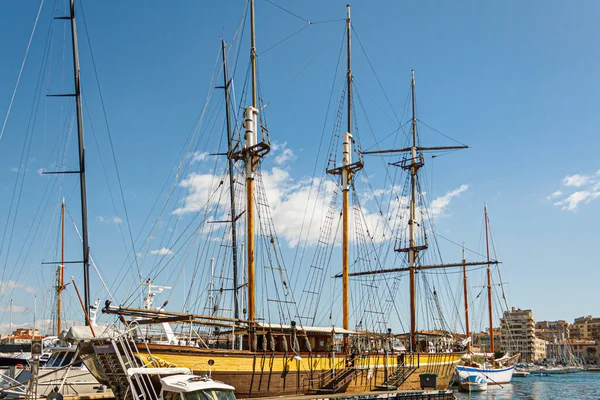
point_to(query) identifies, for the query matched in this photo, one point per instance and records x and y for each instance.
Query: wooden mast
(466, 295)
(82, 185)
(236, 310)
(412, 248)
(250, 181)
(346, 171)
(346, 176)
(416, 162)
(60, 274)
(252, 152)
(489, 280)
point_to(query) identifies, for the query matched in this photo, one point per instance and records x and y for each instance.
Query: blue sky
(515, 81)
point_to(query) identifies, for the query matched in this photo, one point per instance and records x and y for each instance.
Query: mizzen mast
(413, 165)
(413, 249)
(347, 170)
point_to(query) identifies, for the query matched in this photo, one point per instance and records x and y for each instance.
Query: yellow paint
(278, 363)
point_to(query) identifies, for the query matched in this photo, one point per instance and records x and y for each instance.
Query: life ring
(19, 366)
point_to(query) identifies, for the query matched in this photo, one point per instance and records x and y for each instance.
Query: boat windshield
(210, 395)
(60, 359)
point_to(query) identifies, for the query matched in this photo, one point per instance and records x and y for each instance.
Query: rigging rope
(12, 99)
(112, 148)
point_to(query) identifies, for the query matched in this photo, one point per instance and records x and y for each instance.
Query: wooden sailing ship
(265, 359)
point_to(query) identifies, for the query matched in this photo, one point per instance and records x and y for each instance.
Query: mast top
(348, 11)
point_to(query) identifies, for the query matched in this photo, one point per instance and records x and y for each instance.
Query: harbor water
(580, 386)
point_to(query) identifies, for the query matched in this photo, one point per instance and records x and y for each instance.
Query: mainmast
(347, 170)
(489, 279)
(466, 295)
(236, 310)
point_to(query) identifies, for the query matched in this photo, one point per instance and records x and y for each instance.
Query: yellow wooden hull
(273, 374)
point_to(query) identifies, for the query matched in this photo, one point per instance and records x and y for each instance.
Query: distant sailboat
(494, 371)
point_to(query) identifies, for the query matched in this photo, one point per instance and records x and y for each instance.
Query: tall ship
(274, 346)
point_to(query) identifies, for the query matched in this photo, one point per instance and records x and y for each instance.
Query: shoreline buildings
(545, 341)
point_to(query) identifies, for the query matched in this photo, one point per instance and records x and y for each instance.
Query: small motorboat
(519, 373)
(473, 383)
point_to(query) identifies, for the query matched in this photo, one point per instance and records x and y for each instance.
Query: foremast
(251, 154)
(347, 170)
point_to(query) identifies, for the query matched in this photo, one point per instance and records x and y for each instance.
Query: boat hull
(494, 376)
(469, 387)
(266, 374)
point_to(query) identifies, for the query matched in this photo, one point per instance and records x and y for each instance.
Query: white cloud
(438, 206)
(576, 180)
(299, 208)
(6, 286)
(113, 220)
(554, 195)
(285, 156)
(161, 252)
(588, 190)
(14, 169)
(198, 156)
(200, 187)
(282, 154)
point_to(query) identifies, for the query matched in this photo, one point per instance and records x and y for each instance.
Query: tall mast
(489, 279)
(346, 176)
(466, 295)
(416, 162)
(252, 152)
(251, 140)
(412, 248)
(236, 310)
(60, 283)
(82, 186)
(346, 170)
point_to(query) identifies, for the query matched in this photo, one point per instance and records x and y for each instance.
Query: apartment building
(518, 334)
(553, 331)
(586, 328)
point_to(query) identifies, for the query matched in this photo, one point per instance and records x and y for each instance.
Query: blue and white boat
(493, 376)
(473, 383)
